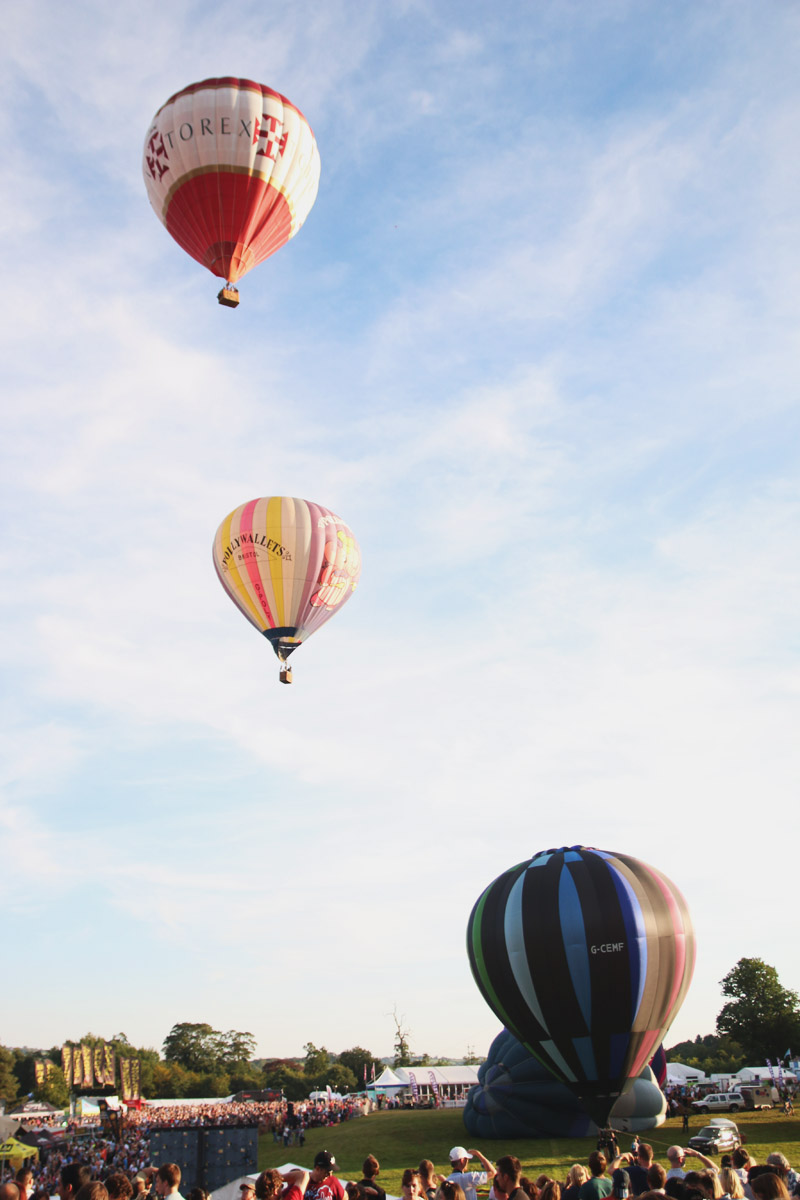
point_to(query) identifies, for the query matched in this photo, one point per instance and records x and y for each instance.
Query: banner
(108, 1065)
(125, 1077)
(39, 1072)
(434, 1084)
(412, 1079)
(780, 1077)
(771, 1072)
(77, 1067)
(136, 1079)
(330, 1094)
(66, 1063)
(97, 1064)
(88, 1075)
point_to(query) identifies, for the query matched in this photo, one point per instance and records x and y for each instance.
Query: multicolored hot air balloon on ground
(232, 170)
(586, 957)
(288, 565)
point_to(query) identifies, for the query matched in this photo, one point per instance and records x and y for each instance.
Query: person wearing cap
(323, 1184)
(469, 1181)
(247, 1190)
(620, 1184)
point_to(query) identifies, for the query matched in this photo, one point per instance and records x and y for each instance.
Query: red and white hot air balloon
(232, 170)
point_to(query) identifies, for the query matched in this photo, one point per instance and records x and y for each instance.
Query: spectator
(411, 1184)
(598, 1186)
(469, 1181)
(24, 1181)
(73, 1177)
(775, 1159)
(269, 1184)
(638, 1166)
(369, 1186)
(731, 1184)
(576, 1177)
(656, 1178)
(508, 1172)
(119, 1187)
(168, 1180)
(93, 1190)
(620, 1184)
(767, 1185)
(428, 1178)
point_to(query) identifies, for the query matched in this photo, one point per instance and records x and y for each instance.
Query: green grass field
(400, 1139)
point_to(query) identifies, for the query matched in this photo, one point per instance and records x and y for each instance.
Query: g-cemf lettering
(608, 948)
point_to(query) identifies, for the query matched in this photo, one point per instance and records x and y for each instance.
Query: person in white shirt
(469, 1181)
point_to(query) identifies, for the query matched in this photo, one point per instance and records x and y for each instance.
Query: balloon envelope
(518, 1097)
(288, 565)
(586, 957)
(232, 170)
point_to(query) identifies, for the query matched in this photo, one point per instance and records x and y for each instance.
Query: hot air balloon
(232, 170)
(288, 565)
(518, 1097)
(585, 956)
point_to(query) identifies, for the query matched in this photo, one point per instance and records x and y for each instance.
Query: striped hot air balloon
(232, 169)
(586, 956)
(288, 565)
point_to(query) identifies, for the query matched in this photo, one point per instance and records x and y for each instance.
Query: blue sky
(537, 343)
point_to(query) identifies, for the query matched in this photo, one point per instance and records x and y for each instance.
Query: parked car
(716, 1138)
(720, 1102)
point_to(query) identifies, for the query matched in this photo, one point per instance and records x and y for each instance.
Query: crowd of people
(95, 1167)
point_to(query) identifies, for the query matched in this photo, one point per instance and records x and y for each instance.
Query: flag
(412, 1079)
(108, 1065)
(434, 1084)
(66, 1063)
(373, 1072)
(77, 1067)
(39, 1072)
(136, 1079)
(86, 1051)
(365, 1074)
(97, 1064)
(125, 1077)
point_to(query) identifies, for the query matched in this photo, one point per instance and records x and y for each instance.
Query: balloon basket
(286, 675)
(229, 296)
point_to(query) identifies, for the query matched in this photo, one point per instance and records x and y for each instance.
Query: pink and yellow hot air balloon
(232, 170)
(289, 565)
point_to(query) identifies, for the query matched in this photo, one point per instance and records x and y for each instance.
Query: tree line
(198, 1061)
(759, 1020)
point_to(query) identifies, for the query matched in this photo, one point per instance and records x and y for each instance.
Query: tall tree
(761, 1014)
(316, 1061)
(206, 1051)
(356, 1059)
(9, 1085)
(402, 1047)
